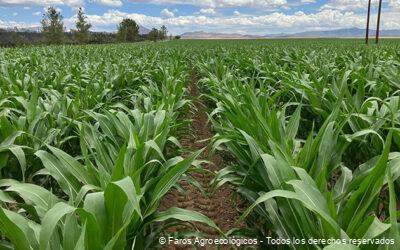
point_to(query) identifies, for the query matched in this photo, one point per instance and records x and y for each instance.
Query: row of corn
(314, 129)
(88, 146)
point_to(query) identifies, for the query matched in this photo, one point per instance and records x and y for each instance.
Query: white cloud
(220, 3)
(350, 5)
(72, 3)
(394, 3)
(15, 14)
(274, 22)
(166, 13)
(271, 23)
(37, 13)
(112, 3)
(209, 11)
(307, 1)
(19, 25)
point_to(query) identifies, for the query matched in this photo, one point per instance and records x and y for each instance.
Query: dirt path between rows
(219, 205)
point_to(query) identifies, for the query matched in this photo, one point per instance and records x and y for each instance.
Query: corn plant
(88, 150)
(291, 120)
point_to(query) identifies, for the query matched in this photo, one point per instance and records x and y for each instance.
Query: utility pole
(368, 16)
(378, 23)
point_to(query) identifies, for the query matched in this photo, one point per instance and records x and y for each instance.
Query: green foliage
(53, 26)
(163, 32)
(156, 34)
(88, 147)
(88, 140)
(313, 130)
(128, 30)
(82, 32)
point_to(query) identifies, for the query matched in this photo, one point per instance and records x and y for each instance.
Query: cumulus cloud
(19, 25)
(112, 3)
(166, 13)
(72, 3)
(37, 13)
(347, 5)
(394, 4)
(307, 1)
(209, 11)
(271, 23)
(220, 3)
(274, 22)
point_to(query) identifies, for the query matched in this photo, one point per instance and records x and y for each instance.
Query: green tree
(163, 32)
(16, 39)
(154, 35)
(82, 32)
(53, 26)
(128, 30)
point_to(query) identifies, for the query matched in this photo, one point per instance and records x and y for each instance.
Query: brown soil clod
(217, 205)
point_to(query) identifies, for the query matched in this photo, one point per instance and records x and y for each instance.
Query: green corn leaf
(50, 221)
(184, 215)
(168, 180)
(361, 199)
(293, 124)
(61, 173)
(16, 229)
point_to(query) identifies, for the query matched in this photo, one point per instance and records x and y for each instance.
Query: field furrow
(215, 204)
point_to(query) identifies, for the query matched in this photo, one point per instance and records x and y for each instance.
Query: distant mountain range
(208, 35)
(339, 33)
(143, 30)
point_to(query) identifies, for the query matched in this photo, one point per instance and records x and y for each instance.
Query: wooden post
(378, 23)
(368, 16)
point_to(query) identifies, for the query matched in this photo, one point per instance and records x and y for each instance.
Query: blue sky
(224, 16)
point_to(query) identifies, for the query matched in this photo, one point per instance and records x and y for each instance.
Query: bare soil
(218, 205)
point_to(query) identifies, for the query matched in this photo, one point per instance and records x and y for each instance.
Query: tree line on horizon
(53, 32)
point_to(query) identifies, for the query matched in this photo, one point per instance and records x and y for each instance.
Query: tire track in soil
(219, 205)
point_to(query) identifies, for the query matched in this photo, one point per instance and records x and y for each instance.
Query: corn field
(90, 142)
